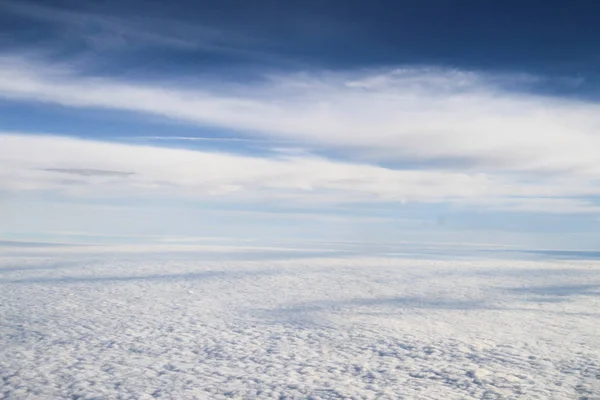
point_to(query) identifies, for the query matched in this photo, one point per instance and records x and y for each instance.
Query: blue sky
(426, 121)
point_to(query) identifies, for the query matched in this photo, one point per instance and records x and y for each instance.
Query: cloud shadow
(142, 278)
(559, 290)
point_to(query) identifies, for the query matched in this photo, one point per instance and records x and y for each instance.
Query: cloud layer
(428, 115)
(76, 167)
(463, 139)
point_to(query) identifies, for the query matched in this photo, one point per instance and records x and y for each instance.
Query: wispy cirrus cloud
(96, 29)
(211, 139)
(102, 30)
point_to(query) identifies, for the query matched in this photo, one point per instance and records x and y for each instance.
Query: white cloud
(86, 168)
(46, 162)
(407, 114)
(485, 146)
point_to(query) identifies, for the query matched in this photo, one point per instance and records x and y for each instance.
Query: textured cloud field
(80, 326)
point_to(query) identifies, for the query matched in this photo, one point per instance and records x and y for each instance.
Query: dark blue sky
(552, 37)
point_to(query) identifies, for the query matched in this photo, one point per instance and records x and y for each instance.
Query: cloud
(205, 173)
(210, 139)
(30, 163)
(462, 137)
(88, 172)
(102, 29)
(462, 120)
(97, 29)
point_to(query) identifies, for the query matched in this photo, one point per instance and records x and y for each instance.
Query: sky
(430, 121)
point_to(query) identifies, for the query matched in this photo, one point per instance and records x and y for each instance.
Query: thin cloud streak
(103, 31)
(210, 139)
(88, 172)
(108, 30)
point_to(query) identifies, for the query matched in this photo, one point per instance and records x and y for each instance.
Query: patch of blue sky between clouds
(125, 127)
